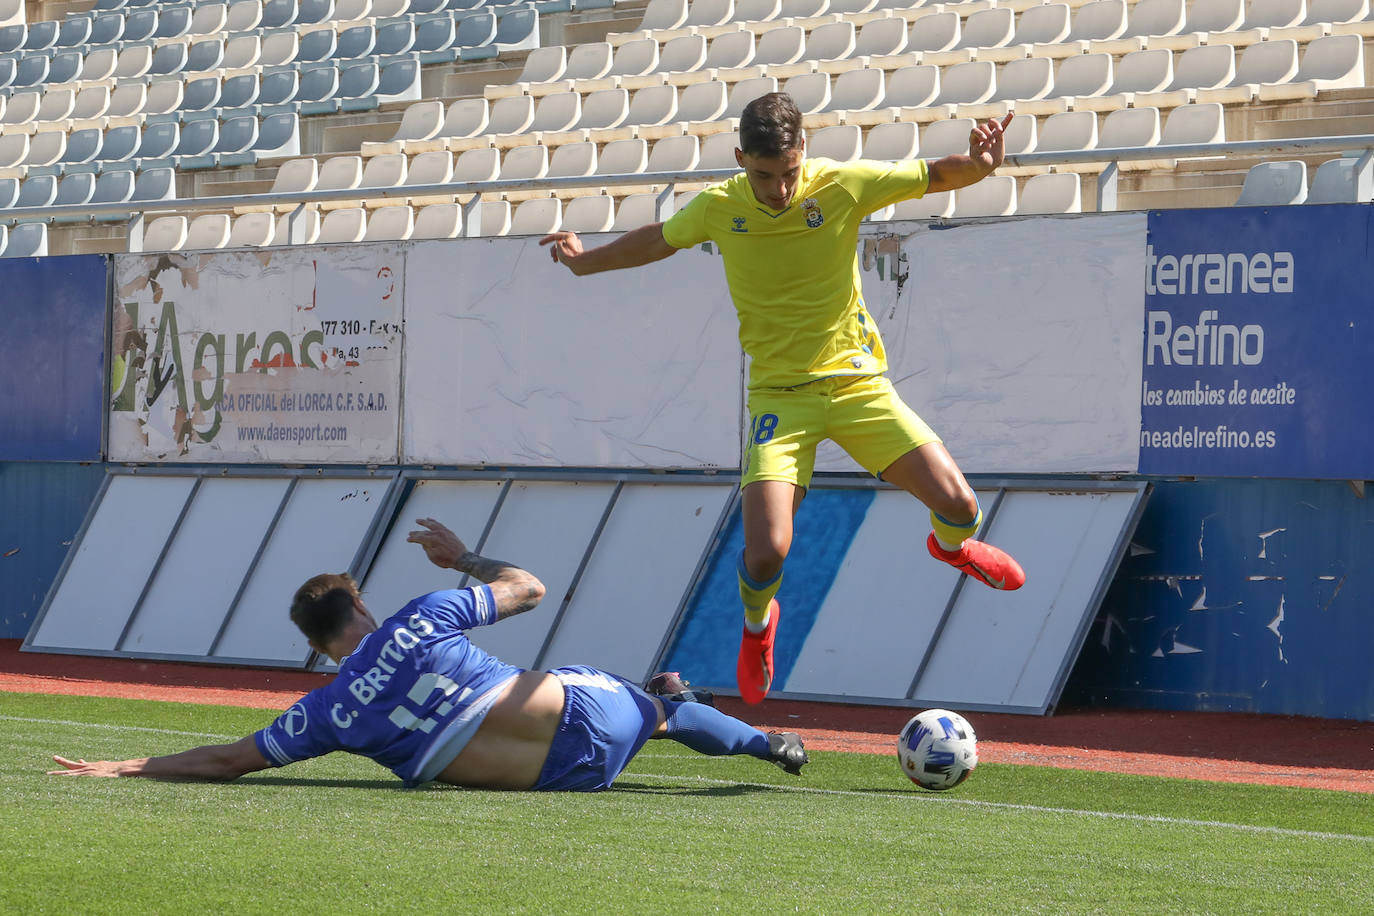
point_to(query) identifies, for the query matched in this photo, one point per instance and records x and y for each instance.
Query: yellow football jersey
(794, 275)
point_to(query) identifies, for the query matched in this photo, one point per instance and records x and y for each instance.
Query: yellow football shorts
(864, 415)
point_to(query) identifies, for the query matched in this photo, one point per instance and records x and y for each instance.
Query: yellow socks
(756, 596)
(951, 536)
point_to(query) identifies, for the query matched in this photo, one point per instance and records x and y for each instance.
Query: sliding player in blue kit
(416, 696)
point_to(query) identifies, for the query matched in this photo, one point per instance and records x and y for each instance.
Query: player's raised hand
(442, 546)
(986, 142)
(564, 247)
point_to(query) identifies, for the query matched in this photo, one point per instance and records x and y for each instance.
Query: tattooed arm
(514, 589)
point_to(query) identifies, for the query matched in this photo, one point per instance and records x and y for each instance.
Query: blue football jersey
(409, 697)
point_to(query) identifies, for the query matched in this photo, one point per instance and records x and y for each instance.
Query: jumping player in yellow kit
(787, 230)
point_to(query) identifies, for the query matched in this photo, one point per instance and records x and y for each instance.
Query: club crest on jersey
(738, 224)
(812, 211)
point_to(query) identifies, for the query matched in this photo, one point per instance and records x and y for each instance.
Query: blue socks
(707, 730)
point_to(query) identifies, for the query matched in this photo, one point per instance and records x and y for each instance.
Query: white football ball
(937, 749)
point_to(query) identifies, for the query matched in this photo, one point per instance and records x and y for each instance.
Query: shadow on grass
(706, 791)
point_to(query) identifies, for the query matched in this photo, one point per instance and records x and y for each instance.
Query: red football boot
(983, 562)
(754, 670)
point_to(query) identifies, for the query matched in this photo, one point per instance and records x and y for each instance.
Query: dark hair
(770, 126)
(322, 605)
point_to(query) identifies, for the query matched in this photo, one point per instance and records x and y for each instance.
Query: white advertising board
(511, 360)
(272, 355)
(1018, 341)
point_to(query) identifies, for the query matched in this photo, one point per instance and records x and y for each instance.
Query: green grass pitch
(680, 834)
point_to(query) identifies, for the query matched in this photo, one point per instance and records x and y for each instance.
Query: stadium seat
(483, 164)
(74, 32)
(1203, 67)
(1069, 130)
(56, 104)
(524, 163)
(1142, 71)
(245, 50)
(14, 148)
(1274, 184)
(155, 184)
(896, 141)
(1145, 20)
(1204, 122)
(83, 146)
(431, 168)
(298, 227)
(650, 107)
(391, 223)
(1042, 25)
(89, 107)
(1334, 62)
(438, 221)
(995, 195)
(841, 142)
(196, 143)
(421, 121)
(592, 213)
(1130, 128)
(1264, 62)
(909, 90)
(517, 30)
(810, 92)
(207, 231)
(1018, 85)
(944, 138)
(635, 210)
(508, 117)
(113, 187)
(252, 230)
(553, 113)
(620, 157)
(542, 67)
(674, 154)
(346, 225)
(208, 19)
(165, 233)
(9, 192)
(536, 216)
(718, 151)
(27, 240)
(933, 206)
(37, 191)
(75, 189)
(1340, 181)
(1077, 78)
(1051, 192)
(394, 37)
(65, 66)
(988, 29)
(659, 15)
(493, 218)
(602, 115)
(702, 103)
(853, 91)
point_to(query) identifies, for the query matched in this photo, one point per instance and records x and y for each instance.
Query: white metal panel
(1029, 370)
(882, 610)
(117, 553)
(402, 571)
(545, 528)
(204, 566)
(510, 360)
(636, 578)
(319, 531)
(1009, 648)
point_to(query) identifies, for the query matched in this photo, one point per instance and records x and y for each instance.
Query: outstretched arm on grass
(212, 762)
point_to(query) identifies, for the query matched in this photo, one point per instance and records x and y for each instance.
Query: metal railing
(296, 201)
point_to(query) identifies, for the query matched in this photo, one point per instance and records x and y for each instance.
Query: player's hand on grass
(564, 247)
(986, 142)
(92, 768)
(442, 546)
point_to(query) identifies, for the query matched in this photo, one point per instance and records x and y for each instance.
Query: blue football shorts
(606, 720)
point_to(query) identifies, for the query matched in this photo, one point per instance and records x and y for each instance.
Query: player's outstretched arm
(632, 249)
(211, 763)
(514, 589)
(986, 149)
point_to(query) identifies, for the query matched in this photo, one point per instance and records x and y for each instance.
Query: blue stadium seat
(139, 25)
(318, 88)
(168, 59)
(9, 192)
(517, 30)
(278, 14)
(41, 35)
(399, 82)
(277, 91)
(197, 141)
(64, 66)
(355, 42)
(75, 190)
(434, 38)
(394, 37)
(312, 11)
(158, 142)
(237, 139)
(6, 72)
(173, 22)
(37, 191)
(113, 187)
(12, 37)
(206, 54)
(155, 184)
(278, 135)
(238, 93)
(74, 32)
(83, 146)
(27, 240)
(198, 96)
(32, 70)
(117, 150)
(358, 86)
(475, 35)
(317, 46)
(106, 29)
(105, 6)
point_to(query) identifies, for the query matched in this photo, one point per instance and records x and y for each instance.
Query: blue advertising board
(1259, 343)
(52, 357)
